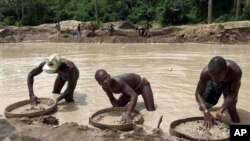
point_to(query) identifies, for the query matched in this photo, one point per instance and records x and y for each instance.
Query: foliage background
(165, 12)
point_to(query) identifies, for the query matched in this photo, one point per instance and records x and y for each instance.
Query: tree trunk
(234, 6)
(17, 10)
(210, 11)
(96, 12)
(22, 9)
(238, 8)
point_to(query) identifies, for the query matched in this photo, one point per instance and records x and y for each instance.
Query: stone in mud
(157, 131)
(50, 120)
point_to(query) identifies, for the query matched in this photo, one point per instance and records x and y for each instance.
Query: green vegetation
(166, 12)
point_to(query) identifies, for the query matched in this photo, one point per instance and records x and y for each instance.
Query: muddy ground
(226, 33)
(25, 129)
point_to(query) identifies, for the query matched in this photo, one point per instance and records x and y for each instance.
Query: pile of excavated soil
(34, 130)
(228, 33)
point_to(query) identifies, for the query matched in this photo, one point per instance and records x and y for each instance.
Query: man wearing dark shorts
(219, 76)
(67, 72)
(130, 85)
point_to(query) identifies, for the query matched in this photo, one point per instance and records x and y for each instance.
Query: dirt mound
(17, 130)
(220, 33)
(120, 25)
(126, 25)
(5, 128)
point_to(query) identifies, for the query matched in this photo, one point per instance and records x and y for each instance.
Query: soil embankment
(25, 129)
(227, 33)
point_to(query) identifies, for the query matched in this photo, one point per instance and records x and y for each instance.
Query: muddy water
(172, 69)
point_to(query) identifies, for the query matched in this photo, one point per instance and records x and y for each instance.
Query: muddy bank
(227, 33)
(25, 129)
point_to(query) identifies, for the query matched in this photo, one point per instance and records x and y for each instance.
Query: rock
(5, 32)
(211, 33)
(50, 120)
(157, 131)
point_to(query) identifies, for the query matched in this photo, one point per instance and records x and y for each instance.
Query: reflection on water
(172, 69)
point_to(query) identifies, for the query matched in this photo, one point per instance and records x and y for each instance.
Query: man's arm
(111, 97)
(71, 84)
(30, 81)
(126, 89)
(31, 75)
(232, 97)
(208, 118)
(200, 90)
(199, 99)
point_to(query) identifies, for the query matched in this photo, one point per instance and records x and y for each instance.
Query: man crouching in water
(66, 70)
(219, 76)
(130, 85)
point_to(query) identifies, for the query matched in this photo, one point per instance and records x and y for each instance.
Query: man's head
(102, 77)
(217, 68)
(52, 64)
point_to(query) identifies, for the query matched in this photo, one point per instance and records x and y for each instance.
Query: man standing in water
(219, 76)
(130, 85)
(66, 70)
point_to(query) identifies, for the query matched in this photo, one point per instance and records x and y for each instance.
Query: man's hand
(34, 100)
(219, 115)
(126, 118)
(208, 119)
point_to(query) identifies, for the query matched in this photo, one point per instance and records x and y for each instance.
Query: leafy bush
(225, 18)
(9, 20)
(142, 12)
(245, 14)
(174, 12)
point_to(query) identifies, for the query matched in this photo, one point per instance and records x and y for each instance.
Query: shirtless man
(219, 76)
(79, 30)
(111, 30)
(66, 70)
(130, 85)
(58, 28)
